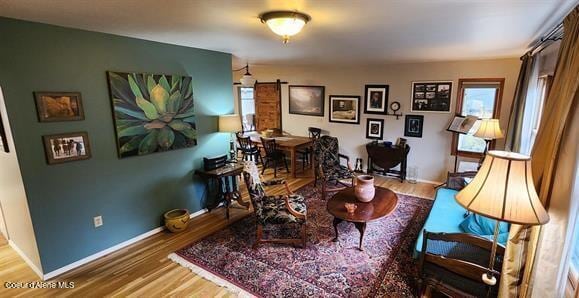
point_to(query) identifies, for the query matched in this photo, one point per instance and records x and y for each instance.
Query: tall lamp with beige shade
(489, 129)
(503, 190)
(230, 123)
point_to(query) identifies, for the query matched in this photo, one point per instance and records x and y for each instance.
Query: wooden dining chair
(249, 150)
(273, 156)
(305, 154)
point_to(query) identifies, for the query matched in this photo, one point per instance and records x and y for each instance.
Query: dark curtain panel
(513, 137)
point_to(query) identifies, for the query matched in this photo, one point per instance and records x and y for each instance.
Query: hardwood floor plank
(143, 269)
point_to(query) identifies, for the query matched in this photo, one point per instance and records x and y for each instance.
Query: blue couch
(446, 216)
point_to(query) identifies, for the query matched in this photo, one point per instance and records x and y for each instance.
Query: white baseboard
(25, 258)
(109, 250)
(429, 181)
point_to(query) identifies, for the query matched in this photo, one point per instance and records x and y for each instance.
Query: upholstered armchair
(287, 209)
(328, 167)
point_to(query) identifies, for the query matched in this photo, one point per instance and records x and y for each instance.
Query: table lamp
(489, 129)
(503, 190)
(230, 123)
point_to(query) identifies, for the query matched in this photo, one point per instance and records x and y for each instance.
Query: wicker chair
(452, 264)
(328, 167)
(289, 209)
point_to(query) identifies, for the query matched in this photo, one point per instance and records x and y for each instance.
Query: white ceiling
(341, 31)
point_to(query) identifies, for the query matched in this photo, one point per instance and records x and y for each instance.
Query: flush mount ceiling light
(285, 23)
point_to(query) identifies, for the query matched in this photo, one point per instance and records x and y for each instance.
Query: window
(247, 108)
(574, 267)
(480, 98)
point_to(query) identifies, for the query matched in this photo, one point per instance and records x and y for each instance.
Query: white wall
(14, 201)
(431, 153)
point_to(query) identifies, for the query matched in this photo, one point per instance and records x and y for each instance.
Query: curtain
(556, 240)
(514, 129)
(520, 253)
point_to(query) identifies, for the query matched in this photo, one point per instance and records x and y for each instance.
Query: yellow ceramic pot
(176, 220)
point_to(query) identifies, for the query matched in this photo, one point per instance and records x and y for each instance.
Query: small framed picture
(432, 96)
(59, 106)
(306, 100)
(376, 99)
(413, 126)
(375, 129)
(66, 147)
(345, 109)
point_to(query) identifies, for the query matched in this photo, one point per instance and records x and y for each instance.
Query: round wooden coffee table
(383, 204)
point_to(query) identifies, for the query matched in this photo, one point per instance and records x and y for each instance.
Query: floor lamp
(231, 124)
(503, 190)
(489, 129)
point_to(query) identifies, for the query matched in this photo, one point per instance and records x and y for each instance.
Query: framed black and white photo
(374, 129)
(306, 100)
(376, 99)
(345, 109)
(413, 126)
(432, 96)
(66, 147)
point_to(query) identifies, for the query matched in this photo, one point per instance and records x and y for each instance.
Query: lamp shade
(247, 80)
(503, 189)
(489, 129)
(229, 123)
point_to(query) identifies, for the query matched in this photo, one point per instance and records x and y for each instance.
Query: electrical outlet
(98, 221)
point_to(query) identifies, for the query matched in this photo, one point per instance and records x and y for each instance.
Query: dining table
(287, 143)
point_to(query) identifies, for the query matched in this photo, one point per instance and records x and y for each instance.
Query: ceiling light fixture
(285, 23)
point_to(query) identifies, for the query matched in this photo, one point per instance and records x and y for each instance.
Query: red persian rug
(324, 269)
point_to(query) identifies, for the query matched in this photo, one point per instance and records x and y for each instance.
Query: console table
(382, 159)
(225, 175)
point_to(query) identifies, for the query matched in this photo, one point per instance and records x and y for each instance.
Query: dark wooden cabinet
(383, 159)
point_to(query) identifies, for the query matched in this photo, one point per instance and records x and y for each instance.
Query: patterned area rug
(324, 269)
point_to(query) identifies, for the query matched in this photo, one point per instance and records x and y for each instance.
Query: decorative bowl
(350, 207)
(176, 220)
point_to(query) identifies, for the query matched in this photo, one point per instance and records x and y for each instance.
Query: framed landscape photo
(431, 96)
(66, 147)
(345, 109)
(59, 106)
(306, 100)
(375, 129)
(413, 126)
(152, 112)
(376, 99)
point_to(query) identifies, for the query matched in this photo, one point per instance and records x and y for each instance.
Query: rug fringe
(210, 276)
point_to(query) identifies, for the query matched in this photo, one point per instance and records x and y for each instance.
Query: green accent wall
(131, 194)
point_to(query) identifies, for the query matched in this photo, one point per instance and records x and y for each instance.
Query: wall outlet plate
(98, 221)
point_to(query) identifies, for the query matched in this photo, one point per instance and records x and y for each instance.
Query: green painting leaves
(152, 113)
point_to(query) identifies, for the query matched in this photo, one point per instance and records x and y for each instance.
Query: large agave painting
(153, 113)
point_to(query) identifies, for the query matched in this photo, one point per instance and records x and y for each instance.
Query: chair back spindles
(314, 132)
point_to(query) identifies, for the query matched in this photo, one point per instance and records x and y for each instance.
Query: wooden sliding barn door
(267, 105)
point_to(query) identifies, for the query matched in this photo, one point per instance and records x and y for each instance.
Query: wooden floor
(143, 269)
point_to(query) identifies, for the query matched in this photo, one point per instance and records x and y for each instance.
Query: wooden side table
(383, 204)
(228, 191)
